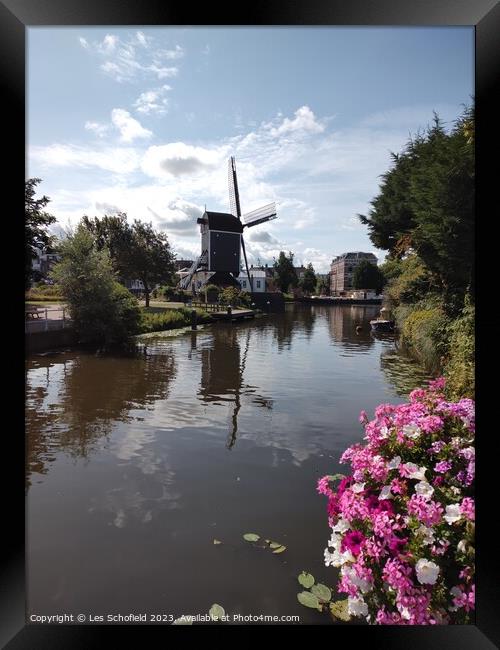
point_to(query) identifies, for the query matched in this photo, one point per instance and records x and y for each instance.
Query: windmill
(222, 236)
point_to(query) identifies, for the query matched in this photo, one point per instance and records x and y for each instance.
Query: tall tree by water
(137, 250)
(426, 205)
(368, 276)
(285, 271)
(308, 282)
(35, 225)
(102, 310)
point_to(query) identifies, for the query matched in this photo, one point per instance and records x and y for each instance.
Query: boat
(382, 325)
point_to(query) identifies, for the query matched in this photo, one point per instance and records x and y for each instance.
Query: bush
(170, 319)
(230, 296)
(460, 363)
(44, 292)
(403, 521)
(423, 332)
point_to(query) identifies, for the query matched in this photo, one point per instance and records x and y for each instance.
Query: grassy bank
(169, 319)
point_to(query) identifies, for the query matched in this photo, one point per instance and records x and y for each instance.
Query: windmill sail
(234, 196)
(261, 215)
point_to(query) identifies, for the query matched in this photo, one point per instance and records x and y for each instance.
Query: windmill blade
(234, 196)
(261, 215)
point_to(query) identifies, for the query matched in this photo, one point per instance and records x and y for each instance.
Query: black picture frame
(15, 17)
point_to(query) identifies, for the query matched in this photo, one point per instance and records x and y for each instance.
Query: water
(136, 463)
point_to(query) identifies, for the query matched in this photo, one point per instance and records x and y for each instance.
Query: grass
(169, 319)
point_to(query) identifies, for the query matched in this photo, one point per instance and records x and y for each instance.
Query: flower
(424, 489)
(357, 607)
(427, 572)
(452, 513)
(405, 538)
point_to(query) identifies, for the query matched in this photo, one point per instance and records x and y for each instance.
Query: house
(258, 275)
(343, 268)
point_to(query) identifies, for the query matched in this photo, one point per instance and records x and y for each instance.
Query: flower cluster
(402, 523)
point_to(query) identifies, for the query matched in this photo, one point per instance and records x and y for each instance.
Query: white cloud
(129, 127)
(95, 127)
(304, 120)
(135, 57)
(179, 159)
(153, 101)
(119, 160)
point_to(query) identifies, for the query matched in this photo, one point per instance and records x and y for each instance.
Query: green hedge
(170, 319)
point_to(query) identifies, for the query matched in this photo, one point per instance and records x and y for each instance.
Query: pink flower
(443, 466)
(467, 508)
(352, 541)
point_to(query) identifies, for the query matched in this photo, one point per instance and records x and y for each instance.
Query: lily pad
(183, 620)
(274, 544)
(339, 610)
(322, 592)
(306, 580)
(216, 611)
(308, 599)
(217, 541)
(251, 537)
(280, 549)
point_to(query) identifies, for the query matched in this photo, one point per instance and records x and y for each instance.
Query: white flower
(335, 541)
(394, 463)
(427, 572)
(424, 489)
(341, 526)
(358, 487)
(452, 513)
(357, 607)
(363, 585)
(405, 612)
(411, 430)
(338, 559)
(415, 471)
(427, 535)
(384, 432)
(385, 492)
(462, 546)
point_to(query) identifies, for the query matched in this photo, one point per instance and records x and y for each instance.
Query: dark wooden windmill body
(222, 237)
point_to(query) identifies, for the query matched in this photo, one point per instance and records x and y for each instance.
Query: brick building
(342, 270)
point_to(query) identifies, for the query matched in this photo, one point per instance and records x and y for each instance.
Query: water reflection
(403, 374)
(73, 403)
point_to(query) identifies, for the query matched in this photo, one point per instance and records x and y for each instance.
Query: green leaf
(183, 620)
(339, 610)
(280, 549)
(308, 599)
(251, 537)
(216, 611)
(322, 592)
(217, 541)
(306, 580)
(275, 545)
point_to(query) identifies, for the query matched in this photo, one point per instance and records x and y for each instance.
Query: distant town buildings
(258, 275)
(342, 270)
(43, 262)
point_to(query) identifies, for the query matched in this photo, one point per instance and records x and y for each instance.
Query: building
(342, 271)
(180, 265)
(43, 262)
(258, 276)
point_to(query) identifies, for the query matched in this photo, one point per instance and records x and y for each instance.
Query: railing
(38, 320)
(207, 306)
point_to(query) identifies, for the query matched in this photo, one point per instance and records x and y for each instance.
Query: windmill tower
(222, 236)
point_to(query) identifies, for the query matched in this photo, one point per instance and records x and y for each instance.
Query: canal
(137, 462)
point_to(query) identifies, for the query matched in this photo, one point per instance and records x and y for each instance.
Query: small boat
(381, 325)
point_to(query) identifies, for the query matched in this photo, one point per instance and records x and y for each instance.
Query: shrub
(460, 363)
(230, 296)
(170, 319)
(403, 521)
(423, 332)
(45, 292)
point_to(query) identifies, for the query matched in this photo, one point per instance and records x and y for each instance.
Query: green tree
(426, 206)
(308, 282)
(323, 286)
(368, 276)
(137, 250)
(286, 274)
(36, 221)
(102, 310)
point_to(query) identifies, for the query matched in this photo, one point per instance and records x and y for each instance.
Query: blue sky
(142, 120)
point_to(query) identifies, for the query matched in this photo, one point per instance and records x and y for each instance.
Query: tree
(35, 224)
(368, 276)
(323, 286)
(138, 251)
(308, 282)
(102, 310)
(426, 205)
(285, 271)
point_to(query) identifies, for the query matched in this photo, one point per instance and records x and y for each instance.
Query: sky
(142, 120)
